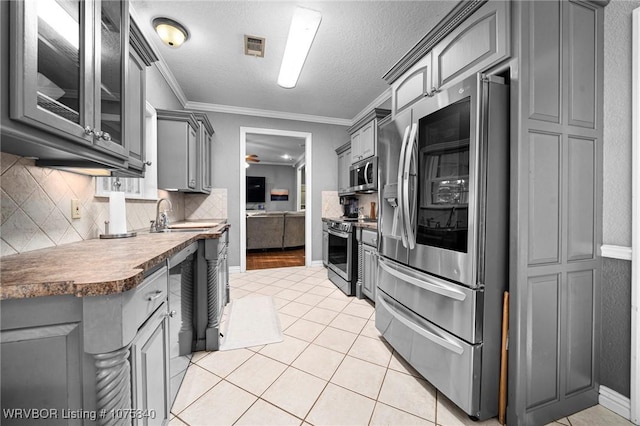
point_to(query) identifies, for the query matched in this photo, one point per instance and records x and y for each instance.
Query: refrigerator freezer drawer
(455, 308)
(445, 361)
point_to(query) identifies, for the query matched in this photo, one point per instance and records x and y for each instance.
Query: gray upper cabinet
(413, 85)
(140, 57)
(68, 70)
(481, 41)
(364, 135)
(344, 161)
(204, 153)
(177, 150)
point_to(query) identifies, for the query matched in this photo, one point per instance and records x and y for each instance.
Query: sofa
(275, 230)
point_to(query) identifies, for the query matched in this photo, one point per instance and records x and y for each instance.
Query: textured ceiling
(270, 148)
(357, 42)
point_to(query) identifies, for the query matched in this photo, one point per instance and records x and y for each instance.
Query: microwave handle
(366, 174)
(406, 206)
(403, 149)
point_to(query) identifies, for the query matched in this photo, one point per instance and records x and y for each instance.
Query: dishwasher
(181, 318)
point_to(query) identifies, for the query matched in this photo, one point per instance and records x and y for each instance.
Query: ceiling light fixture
(172, 33)
(286, 156)
(304, 26)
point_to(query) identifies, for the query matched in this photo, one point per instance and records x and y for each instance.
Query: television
(256, 189)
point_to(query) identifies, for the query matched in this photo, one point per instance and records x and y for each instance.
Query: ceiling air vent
(254, 46)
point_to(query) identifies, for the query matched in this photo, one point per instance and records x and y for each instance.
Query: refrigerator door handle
(425, 282)
(403, 232)
(406, 171)
(422, 331)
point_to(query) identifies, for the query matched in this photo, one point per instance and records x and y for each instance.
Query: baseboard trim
(316, 263)
(615, 402)
(234, 269)
(616, 252)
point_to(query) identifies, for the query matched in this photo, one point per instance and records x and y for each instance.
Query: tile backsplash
(331, 204)
(212, 206)
(35, 204)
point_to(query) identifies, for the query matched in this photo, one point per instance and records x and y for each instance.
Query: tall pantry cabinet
(556, 224)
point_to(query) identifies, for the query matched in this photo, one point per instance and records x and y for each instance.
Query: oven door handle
(426, 283)
(339, 233)
(401, 162)
(406, 175)
(422, 331)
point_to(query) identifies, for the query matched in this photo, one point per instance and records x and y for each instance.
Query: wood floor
(275, 259)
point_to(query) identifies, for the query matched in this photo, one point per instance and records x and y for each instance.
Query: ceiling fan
(252, 158)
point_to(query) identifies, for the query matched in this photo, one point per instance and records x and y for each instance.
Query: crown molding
(171, 81)
(382, 98)
(161, 64)
(228, 109)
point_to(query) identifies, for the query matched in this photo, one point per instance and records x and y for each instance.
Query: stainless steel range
(342, 255)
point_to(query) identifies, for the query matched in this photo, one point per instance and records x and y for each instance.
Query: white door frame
(299, 186)
(635, 217)
(243, 189)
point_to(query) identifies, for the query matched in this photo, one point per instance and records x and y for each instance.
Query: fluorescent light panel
(304, 26)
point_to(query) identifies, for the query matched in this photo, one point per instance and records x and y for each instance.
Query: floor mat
(252, 321)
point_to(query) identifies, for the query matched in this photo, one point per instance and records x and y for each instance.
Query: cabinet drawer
(148, 296)
(369, 237)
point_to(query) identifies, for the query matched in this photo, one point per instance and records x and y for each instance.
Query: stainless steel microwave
(363, 175)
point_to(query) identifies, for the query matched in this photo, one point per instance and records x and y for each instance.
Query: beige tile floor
(332, 368)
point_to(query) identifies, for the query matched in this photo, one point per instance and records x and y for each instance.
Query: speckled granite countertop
(92, 267)
(367, 224)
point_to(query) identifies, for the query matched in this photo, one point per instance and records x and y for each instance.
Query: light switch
(75, 208)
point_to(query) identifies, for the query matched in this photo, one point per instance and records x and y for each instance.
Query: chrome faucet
(162, 219)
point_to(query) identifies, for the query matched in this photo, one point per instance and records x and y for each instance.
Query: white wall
(276, 177)
(617, 122)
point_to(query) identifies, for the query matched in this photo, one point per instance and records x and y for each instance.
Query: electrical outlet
(75, 209)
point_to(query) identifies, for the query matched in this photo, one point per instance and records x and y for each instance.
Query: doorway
(274, 197)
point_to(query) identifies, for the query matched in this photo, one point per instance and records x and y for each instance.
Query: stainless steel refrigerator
(444, 200)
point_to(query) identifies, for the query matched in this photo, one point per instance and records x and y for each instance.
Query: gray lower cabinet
(150, 371)
(369, 271)
(71, 358)
(367, 264)
(325, 244)
(41, 359)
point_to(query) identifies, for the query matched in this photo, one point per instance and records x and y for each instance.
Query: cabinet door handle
(433, 91)
(157, 295)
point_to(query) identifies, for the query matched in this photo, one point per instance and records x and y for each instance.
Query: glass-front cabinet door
(110, 76)
(56, 68)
